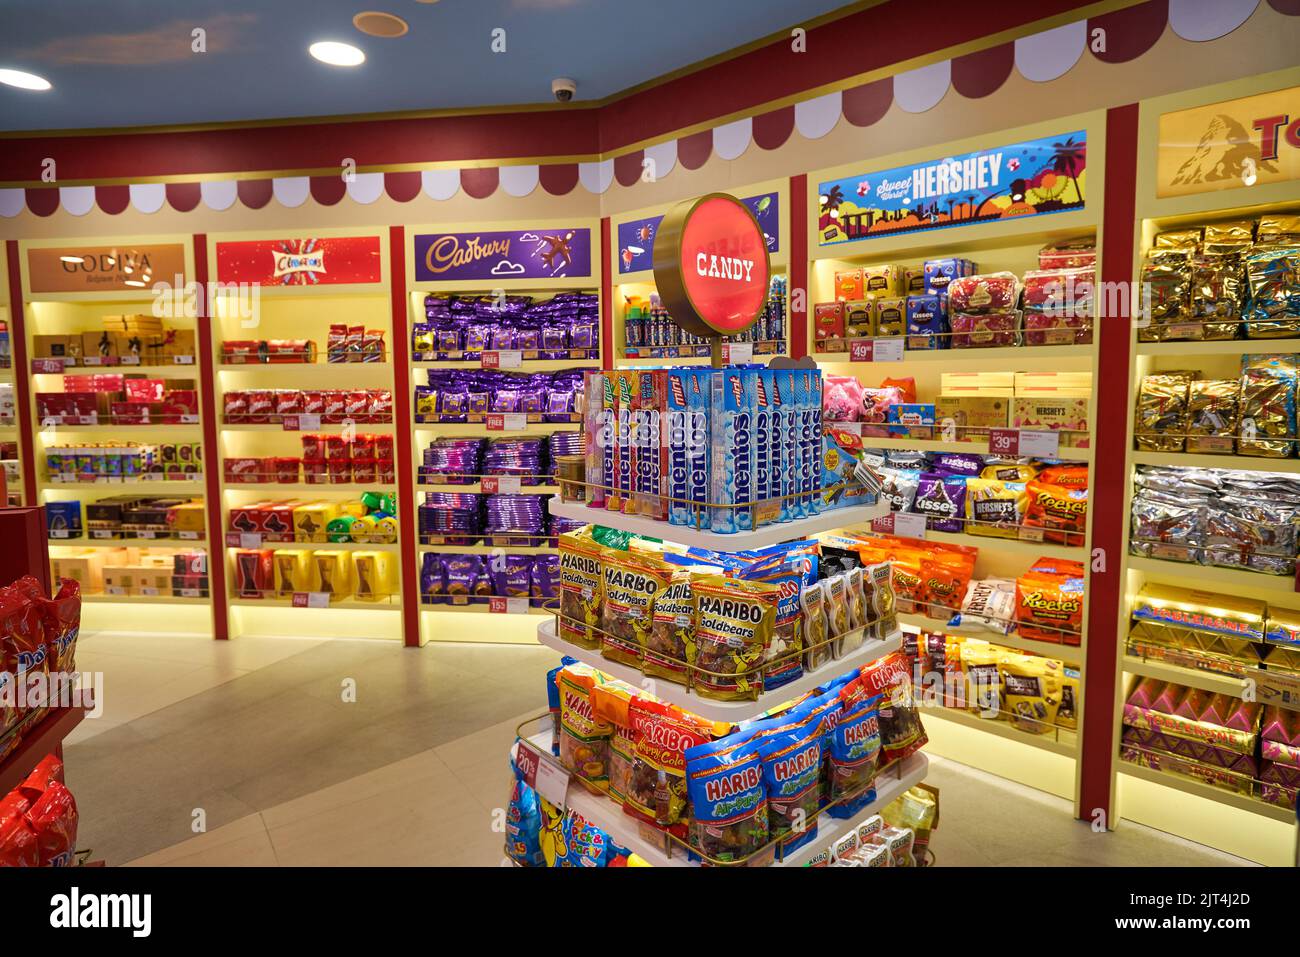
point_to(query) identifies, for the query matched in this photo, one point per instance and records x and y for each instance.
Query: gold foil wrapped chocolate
(1213, 415)
(1283, 627)
(1167, 297)
(1177, 239)
(1278, 228)
(1162, 412)
(1268, 406)
(1216, 290)
(1228, 239)
(1273, 276)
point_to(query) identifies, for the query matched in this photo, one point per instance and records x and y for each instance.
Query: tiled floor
(253, 738)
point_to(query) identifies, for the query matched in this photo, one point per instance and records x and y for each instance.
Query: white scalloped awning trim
(816, 117)
(77, 200)
(13, 202)
(440, 184)
(219, 194)
(1052, 53)
(291, 191)
(365, 188)
(663, 156)
(148, 197)
(518, 181)
(1201, 20)
(916, 91)
(596, 177)
(730, 140)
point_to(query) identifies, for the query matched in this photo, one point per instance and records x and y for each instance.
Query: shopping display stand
(537, 258)
(844, 240)
(68, 286)
(1236, 822)
(306, 283)
(10, 433)
(632, 237)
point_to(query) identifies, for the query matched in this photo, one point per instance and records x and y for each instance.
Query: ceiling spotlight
(24, 81)
(75, 260)
(376, 24)
(337, 54)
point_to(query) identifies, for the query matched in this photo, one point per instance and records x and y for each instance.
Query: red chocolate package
(288, 402)
(983, 331)
(313, 447)
(334, 405)
(62, 620)
(979, 295)
(380, 405)
(22, 649)
(35, 784)
(18, 845)
(235, 406)
(261, 405)
(313, 402)
(53, 818)
(383, 447)
(901, 732)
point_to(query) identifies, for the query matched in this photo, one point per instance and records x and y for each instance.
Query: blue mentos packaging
(787, 383)
(724, 781)
(624, 436)
(782, 397)
(808, 400)
(523, 824)
(767, 469)
(687, 430)
(927, 322)
(792, 769)
(731, 420)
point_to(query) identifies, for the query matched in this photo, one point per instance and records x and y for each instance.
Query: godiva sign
(124, 268)
(1230, 145)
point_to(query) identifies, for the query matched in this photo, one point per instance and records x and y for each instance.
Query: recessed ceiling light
(376, 24)
(24, 81)
(76, 260)
(337, 54)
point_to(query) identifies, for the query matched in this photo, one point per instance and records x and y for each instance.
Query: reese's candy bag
(733, 627)
(1062, 512)
(1050, 608)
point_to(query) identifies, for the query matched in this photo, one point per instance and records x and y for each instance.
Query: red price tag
(501, 605)
(490, 485)
(1004, 442)
(48, 366)
(290, 423)
(506, 421)
(862, 350)
(527, 759)
(491, 360)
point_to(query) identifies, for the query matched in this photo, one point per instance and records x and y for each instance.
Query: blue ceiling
(130, 62)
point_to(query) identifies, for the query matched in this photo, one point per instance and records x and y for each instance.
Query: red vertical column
(403, 419)
(798, 273)
(606, 299)
(1106, 588)
(211, 444)
(22, 373)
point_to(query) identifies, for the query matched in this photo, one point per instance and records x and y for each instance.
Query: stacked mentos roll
(727, 449)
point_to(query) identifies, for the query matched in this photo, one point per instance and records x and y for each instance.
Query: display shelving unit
(645, 841)
(447, 622)
(63, 313)
(633, 277)
(302, 310)
(1239, 824)
(1048, 762)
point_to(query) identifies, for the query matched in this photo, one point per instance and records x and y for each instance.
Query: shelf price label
(500, 605)
(500, 484)
(302, 422)
(899, 523)
(876, 350)
(183, 360)
(506, 421)
(502, 359)
(244, 539)
(311, 599)
(528, 759)
(1024, 442)
(48, 366)
(737, 353)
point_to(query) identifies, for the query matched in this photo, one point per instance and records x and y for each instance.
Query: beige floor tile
(245, 832)
(252, 850)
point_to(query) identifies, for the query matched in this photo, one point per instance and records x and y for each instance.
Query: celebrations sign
(636, 238)
(1047, 175)
(711, 265)
(301, 262)
(124, 268)
(512, 254)
(1255, 139)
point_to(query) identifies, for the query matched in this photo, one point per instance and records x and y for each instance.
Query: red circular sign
(711, 265)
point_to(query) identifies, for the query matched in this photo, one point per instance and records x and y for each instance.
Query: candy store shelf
(139, 600)
(171, 429)
(479, 608)
(159, 542)
(1228, 580)
(347, 488)
(1071, 653)
(478, 430)
(359, 426)
(975, 448)
(704, 538)
(488, 549)
(1217, 795)
(526, 365)
(326, 546)
(34, 745)
(295, 366)
(708, 708)
(1063, 745)
(1008, 357)
(116, 488)
(624, 829)
(1219, 347)
(1029, 549)
(1192, 677)
(187, 369)
(1252, 463)
(351, 604)
(476, 488)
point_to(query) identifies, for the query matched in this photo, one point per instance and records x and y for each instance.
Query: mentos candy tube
(651, 450)
(810, 440)
(776, 444)
(791, 505)
(609, 430)
(732, 452)
(595, 429)
(687, 404)
(767, 476)
(624, 453)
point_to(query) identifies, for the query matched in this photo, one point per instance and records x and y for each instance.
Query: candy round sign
(711, 265)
